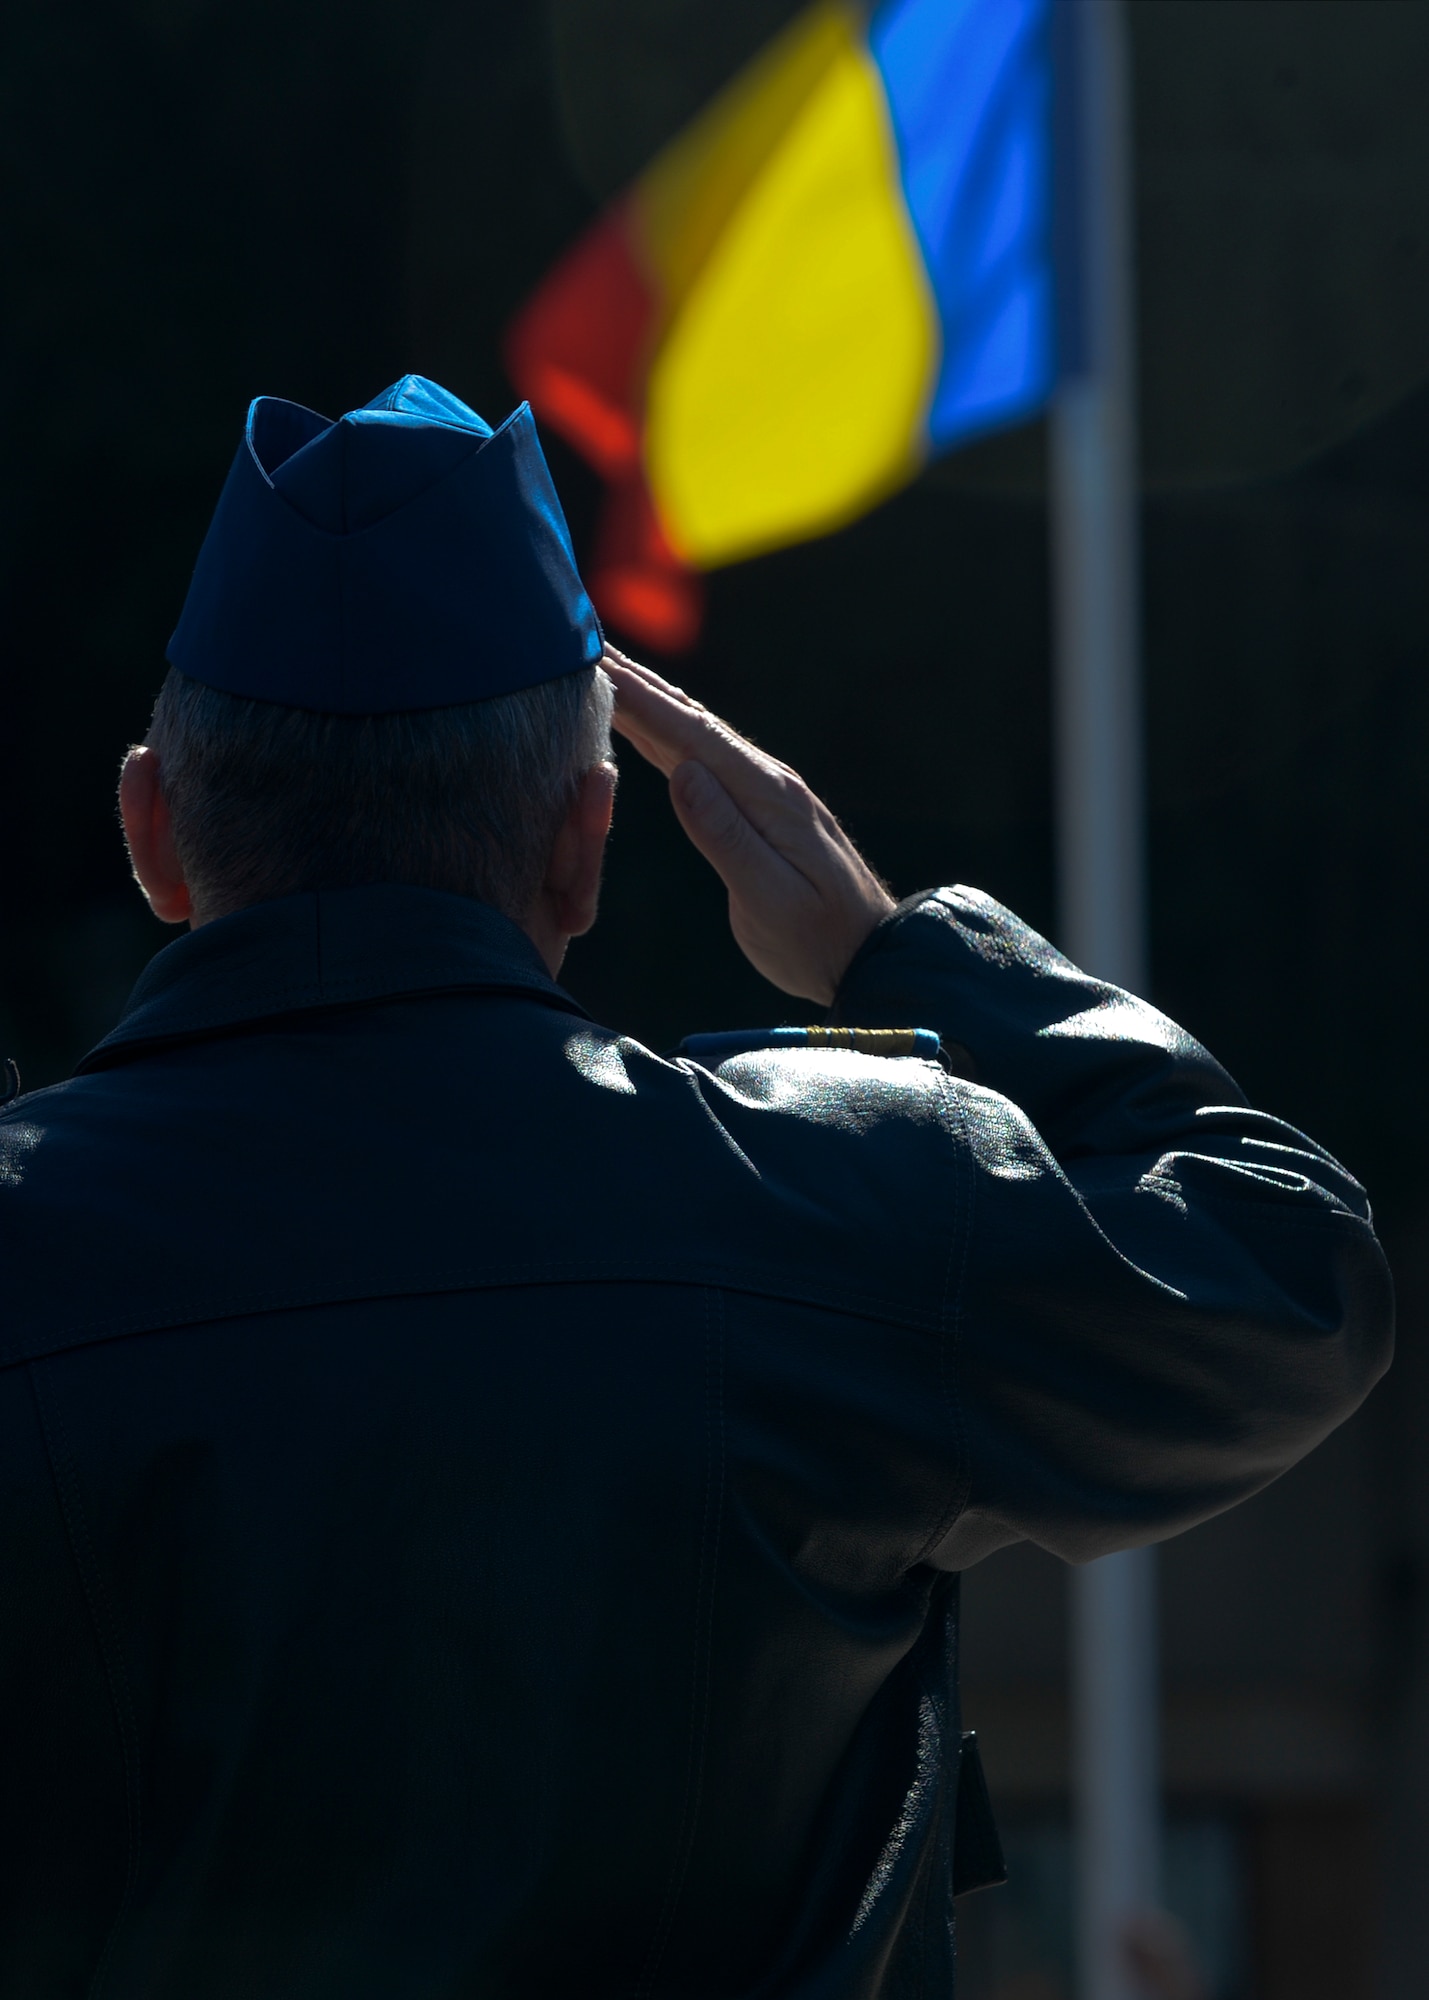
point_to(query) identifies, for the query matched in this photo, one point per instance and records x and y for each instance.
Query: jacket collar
(334, 948)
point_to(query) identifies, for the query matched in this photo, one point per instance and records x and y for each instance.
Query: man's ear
(568, 897)
(150, 835)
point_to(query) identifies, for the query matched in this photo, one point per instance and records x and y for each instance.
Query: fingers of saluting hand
(661, 721)
(749, 815)
(749, 866)
(669, 729)
(615, 658)
(801, 900)
(638, 711)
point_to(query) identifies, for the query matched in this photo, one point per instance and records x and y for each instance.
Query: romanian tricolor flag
(841, 268)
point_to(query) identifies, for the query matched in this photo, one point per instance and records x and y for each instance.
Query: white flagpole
(1101, 888)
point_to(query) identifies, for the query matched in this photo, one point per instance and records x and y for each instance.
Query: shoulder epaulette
(712, 1050)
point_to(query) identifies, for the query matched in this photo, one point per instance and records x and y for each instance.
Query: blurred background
(214, 200)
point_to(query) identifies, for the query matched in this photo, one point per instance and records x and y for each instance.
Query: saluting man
(483, 1502)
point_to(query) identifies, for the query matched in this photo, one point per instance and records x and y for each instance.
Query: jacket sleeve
(1167, 1298)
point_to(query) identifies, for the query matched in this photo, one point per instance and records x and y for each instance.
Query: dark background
(211, 200)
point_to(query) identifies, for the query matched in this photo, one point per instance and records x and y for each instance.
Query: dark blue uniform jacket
(480, 1503)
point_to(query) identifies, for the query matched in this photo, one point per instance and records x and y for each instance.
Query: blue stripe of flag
(969, 90)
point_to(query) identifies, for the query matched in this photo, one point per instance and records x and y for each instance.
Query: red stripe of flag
(579, 351)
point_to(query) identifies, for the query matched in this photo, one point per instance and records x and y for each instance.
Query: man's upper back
(299, 1118)
(486, 1496)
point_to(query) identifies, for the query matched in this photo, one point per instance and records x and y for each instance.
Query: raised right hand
(801, 898)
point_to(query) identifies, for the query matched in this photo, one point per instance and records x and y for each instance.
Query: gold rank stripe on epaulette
(871, 1041)
(711, 1050)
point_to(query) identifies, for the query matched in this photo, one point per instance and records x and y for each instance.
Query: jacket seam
(207, 1312)
(105, 1628)
(929, 1871)
(939, 1878)
(951, 1309)
(701, 1666)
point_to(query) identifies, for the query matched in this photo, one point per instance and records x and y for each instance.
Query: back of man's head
(386, 668)
(270, 801)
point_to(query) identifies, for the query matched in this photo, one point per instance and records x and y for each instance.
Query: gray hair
(268, 801)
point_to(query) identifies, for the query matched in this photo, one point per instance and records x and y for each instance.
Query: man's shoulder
(828, 1089)
(439, 1147)
(810, 1107)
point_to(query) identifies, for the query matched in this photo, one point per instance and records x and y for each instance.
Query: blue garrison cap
(406, 556)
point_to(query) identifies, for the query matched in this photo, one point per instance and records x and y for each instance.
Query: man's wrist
(877, 937)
